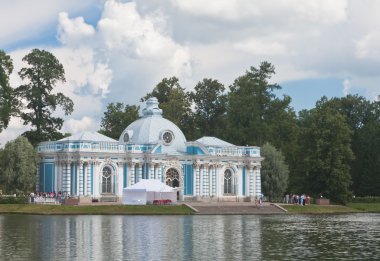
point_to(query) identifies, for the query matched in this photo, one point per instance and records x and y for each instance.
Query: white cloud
(74, 126)
(21, 19)
(262, 47)
(325, 12)
(346, 87)
(367, 47)
(73, 31)
(15, 129)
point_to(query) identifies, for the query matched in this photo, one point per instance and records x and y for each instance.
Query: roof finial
(152, 108)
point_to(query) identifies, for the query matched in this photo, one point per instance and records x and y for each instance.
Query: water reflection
(284, 237)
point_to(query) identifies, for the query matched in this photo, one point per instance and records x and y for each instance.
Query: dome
(152, 128)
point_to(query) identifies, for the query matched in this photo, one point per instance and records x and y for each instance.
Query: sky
(117, 51)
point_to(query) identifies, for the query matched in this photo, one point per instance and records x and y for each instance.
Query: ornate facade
(91, 164)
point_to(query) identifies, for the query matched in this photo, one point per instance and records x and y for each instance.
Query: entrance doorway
(107, 186)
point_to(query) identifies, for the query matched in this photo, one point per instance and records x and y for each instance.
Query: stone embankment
(234, 208)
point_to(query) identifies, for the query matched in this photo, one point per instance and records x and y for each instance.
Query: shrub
(14, 200)
(367, 199)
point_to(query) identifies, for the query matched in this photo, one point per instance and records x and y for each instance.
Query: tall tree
(275, 172)
(326, 152)
(18, 165)
(117, 117)
(42, 74)
(365, 169)
(174, 102)
(9, 105)
(210, 107)
(255, 113)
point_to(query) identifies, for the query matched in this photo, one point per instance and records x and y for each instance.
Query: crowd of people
(36, 197)
(296, 199)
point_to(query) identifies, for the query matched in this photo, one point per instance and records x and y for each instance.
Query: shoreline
(183, 209)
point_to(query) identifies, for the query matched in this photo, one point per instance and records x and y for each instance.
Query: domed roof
(152, 128)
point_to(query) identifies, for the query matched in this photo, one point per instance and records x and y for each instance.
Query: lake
(229, 237)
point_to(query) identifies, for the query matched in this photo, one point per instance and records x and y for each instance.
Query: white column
(205, 180)
(160, 171)
(258, 182)
(81, 181)
(251, 186)
(151, 171)
(132, 173)
(198, 184)
(68, 177)
(88, 178)
(214, 180)
(140, 172)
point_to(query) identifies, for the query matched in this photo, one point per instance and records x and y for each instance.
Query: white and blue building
(152, 147)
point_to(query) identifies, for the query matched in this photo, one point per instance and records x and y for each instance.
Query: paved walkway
(233, 208)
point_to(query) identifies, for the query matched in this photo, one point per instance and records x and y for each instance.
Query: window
(172, 178)
(167, 137)
(106, 180)
(228, 183)
(126, 137)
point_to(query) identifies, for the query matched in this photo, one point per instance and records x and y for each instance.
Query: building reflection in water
(116, 237)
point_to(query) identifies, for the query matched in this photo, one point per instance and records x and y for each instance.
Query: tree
(255, 114)
(18, 164)
(9, 105)
(210, 107)
(174, 102)
(365, 168)
(275, 172)
(42, 74)
(117, 117)
(325, 153)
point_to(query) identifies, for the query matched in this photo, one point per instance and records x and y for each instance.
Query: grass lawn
(95, 210)
(318, 209)
(366, 207)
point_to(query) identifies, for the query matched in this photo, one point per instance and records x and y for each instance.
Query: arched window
(172, 178)
(228, 182)
(106, 180)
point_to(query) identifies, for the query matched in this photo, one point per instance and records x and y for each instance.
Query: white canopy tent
(148, 190)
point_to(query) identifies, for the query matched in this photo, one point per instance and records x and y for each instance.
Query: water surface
(235, 237)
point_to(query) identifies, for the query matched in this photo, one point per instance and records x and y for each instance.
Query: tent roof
(151, 185)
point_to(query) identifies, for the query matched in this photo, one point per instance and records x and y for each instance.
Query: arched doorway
(228, 182)
(107, 184)
(172, 178)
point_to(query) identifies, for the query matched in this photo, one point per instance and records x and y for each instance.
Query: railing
(93, 147)
(234, 151)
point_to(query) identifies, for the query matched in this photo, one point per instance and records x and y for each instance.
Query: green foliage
(14, 200)
(18, 166)
(274, 172)
(325, 152)
(255, 115)
(42, 74)
(210, 107)
(365, 200)
(9, 105)
(117, 117)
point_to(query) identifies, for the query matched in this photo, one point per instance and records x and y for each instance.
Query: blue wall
(125, 175)
(47, 177)
(194, 150)
(189, 181)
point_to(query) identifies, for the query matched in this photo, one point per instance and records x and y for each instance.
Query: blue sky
(119, 50)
